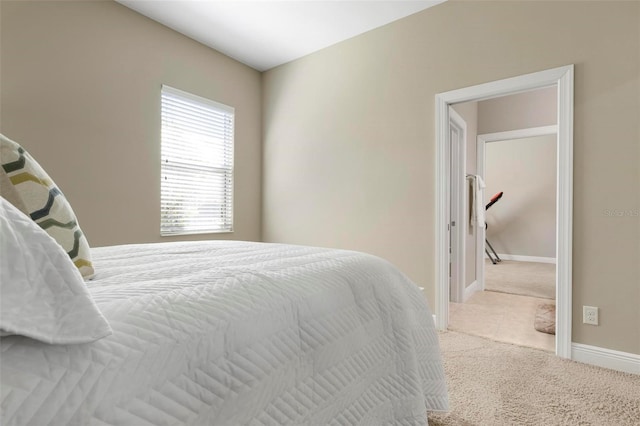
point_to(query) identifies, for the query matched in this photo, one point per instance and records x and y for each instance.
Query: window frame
(228, 169)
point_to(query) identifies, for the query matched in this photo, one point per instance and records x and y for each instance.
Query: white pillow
(42, 294)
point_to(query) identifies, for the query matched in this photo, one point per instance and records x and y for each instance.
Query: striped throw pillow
(29, 188)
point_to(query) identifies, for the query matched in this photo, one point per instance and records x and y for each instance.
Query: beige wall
(469, 113)
(81, 91)
(534, 108)
(523, 222)
(349, 139)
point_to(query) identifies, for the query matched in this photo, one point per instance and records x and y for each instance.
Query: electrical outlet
(590, 315)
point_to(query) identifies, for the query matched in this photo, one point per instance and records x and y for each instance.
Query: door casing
(562, 78)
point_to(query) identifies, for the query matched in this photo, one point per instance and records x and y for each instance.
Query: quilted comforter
(235, 333)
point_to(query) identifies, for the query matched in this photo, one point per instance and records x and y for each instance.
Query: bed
(227, 333)
(199, 333)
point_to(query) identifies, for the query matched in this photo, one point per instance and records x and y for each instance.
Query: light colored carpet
(523, 278)
(503, 317)
(492, 383)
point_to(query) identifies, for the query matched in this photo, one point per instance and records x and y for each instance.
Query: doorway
(562, 78)
(543, 186)
(513, 299)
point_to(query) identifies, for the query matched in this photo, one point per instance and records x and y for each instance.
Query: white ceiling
(267, 33)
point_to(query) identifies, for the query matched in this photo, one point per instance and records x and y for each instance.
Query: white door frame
(562, 78)
(481, 141)
(457, 203)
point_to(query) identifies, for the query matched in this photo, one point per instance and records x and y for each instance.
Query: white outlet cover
(590, 315)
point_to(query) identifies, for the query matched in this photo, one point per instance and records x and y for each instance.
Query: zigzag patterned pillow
(28, 187)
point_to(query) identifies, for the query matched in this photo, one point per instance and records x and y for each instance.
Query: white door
(456, 162)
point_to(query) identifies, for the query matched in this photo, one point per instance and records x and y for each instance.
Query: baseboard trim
(525, 258)
(607, 358)
(469, 290)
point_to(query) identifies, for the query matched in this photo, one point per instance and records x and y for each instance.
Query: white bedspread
(231, 333)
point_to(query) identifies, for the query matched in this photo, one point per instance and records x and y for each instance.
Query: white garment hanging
(477, 209)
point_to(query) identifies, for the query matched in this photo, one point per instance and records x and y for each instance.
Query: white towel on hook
(477, 208)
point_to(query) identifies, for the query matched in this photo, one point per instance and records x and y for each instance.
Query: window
(196, 192)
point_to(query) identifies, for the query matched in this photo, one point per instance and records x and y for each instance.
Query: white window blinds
(197, 164)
